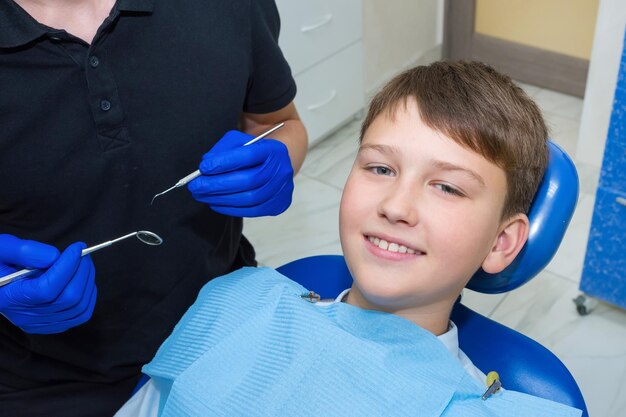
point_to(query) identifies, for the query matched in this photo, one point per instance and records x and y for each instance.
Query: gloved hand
(245, 181)
(50, 301)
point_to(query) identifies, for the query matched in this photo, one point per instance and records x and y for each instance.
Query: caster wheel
(584, 304)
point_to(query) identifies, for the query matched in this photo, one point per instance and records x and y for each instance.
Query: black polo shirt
(88, 134)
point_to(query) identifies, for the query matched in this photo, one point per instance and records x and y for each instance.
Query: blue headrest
(549, 216)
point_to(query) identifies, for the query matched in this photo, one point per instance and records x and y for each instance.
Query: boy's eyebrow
(386, 149)
(447, 166)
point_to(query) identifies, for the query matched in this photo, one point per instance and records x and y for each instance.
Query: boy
(451, 155)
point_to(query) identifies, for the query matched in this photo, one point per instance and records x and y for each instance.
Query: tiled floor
(592, 347)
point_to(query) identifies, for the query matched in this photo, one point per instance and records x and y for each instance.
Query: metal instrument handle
(188, 178)
(197, 173)
(28, 271)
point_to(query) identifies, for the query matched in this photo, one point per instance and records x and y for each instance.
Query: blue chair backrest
(549, 216)
(523, 364)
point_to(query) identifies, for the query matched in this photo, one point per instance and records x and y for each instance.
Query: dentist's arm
(293, 134)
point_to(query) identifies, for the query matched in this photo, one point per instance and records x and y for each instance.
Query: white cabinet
(322, 41)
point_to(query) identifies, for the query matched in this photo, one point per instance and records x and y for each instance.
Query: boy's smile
(387, 245)
(391, 248)
(419, 215)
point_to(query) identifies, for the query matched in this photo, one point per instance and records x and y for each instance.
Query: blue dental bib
(252, 346)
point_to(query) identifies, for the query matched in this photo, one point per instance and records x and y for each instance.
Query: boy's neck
(434, 317)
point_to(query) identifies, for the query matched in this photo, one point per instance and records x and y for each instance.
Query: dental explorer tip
(169, 189)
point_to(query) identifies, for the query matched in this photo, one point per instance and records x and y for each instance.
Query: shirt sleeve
(271, 85)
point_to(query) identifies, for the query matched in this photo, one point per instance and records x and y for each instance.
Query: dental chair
(523, 364)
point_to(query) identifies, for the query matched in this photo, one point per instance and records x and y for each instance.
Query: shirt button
(105, 105)
(94, 61)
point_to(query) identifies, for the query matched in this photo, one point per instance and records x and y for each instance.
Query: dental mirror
(144, 236)
(149, 238)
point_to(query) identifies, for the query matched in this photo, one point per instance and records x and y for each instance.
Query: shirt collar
(18, 28)
(451, 339)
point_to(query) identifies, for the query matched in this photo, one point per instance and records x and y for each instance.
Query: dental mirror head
(149, 238)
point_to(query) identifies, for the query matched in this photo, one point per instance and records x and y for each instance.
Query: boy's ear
(511, 237)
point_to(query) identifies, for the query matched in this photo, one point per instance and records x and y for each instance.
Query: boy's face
(418, 216)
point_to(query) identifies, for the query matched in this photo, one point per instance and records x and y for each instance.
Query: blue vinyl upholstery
(549, 215)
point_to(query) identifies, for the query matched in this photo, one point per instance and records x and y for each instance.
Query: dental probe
(197, 173)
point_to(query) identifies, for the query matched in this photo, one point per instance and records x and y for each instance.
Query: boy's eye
(379, 170)
(449, 189)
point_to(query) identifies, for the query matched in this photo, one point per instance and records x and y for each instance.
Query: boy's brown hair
(482, 110)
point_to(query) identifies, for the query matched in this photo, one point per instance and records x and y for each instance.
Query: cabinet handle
(621, 200)
(324, 21)
(316, 106)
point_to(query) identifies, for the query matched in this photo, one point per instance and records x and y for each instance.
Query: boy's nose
(400, 205)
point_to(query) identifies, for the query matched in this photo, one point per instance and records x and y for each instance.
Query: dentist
(103, 104)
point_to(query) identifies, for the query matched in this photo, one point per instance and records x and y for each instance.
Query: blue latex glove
(51, 301)
(245, 181)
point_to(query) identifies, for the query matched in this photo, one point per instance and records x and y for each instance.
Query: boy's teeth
(391, 247)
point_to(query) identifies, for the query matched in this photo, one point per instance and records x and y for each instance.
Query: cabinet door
(312, 30)
(604, 272)
(331, 92)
